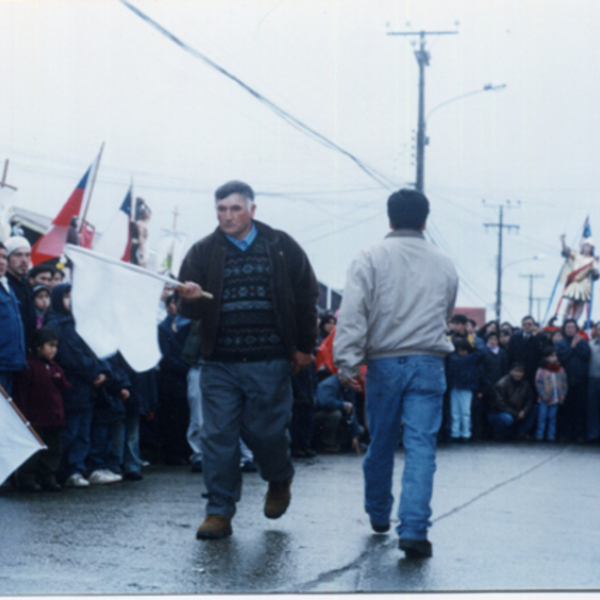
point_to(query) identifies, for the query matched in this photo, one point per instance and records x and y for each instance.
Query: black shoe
(51, 486)
(309, 453)
(133, 476)
(30, 487)
(380, 528)
(416, 548)
(197, 466)
(248, 467)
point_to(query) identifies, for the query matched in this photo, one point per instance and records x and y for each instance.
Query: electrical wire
(381, 179)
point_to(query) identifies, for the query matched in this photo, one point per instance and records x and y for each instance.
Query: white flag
(17, 443)
(114, 306)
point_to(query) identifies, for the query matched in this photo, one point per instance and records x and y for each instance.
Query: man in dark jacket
(527, 347)
(260, 326)
(12, 340)
(511, 404)
(573, 353)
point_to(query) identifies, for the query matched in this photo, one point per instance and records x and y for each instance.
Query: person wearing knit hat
(15, 242)
(18, 251)
(41, 301)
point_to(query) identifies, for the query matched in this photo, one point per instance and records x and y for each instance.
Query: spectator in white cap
(18, 251)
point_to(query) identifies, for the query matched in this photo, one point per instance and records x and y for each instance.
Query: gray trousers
(251, 400)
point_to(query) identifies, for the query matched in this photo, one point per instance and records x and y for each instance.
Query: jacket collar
(405, 233)
(268, 232)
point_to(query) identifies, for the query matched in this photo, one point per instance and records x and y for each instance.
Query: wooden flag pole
(89, 200)
(27, 423)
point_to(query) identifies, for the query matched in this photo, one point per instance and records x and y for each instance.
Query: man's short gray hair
(235, 187)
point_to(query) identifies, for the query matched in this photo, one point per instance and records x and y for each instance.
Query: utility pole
(501, 227)
(422, 57)
(539, 310)
(531, 277)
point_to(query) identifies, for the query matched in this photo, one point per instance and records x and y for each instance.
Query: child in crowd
(551, 386)
(41, 301)
(85, 372)
(463, 380)
(38, 393)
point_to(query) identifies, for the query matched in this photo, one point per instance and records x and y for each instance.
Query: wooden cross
(3, 183)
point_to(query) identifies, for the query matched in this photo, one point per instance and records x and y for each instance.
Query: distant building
(336, 298)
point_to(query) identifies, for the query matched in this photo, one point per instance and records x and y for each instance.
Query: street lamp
(516, 262)
(423, 140)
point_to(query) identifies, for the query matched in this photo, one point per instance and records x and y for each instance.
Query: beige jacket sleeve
(350, 343)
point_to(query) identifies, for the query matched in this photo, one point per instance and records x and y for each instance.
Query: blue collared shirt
(245, 242)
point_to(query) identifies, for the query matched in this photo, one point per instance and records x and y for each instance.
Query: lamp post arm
(486, 88)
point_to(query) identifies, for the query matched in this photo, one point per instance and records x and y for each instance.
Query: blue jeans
(75, 442)
(593, 410)
(504, 424)
(546, 414)
(195, 403)
(248, 400)
(404, 390)
(125, 451)
(101, 441)
(460, 405)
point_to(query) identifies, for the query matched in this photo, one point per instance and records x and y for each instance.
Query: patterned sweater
(551, 386)
(248, 328)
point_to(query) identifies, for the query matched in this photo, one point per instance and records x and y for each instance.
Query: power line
(280, 112)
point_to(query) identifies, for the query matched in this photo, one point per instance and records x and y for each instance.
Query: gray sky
(77, 73)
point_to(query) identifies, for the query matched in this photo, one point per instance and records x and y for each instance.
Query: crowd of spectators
(102, 422)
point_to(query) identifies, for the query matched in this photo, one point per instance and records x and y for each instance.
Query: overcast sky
(79, 73)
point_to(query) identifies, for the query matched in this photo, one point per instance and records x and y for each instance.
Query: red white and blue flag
(52, 244)
(116, 240)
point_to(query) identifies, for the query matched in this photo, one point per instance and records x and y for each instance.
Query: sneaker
(416, 548)
(145, 464)
(103, 477)
(77, 480)
(214, 527)
(278, 498)
(248, 467)
(380, 528)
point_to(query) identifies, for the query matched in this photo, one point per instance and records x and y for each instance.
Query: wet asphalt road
(506, 517)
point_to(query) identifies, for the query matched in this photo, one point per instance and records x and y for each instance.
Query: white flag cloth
(17, 443)
(114, 306)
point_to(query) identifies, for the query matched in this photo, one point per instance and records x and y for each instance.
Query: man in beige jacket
(399, 293)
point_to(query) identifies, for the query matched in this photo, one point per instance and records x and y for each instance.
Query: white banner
(114, 305)
(17, 443)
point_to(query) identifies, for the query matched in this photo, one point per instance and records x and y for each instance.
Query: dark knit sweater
(247, 325)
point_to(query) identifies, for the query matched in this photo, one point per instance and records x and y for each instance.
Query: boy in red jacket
(38, 393)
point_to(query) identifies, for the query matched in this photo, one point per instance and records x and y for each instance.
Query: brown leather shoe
(214, 527)
(278, 498)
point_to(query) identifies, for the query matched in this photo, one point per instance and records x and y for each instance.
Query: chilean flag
(116, 240)
(52, 244)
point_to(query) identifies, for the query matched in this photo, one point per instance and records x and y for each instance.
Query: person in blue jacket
(463, 381)
(12, 338)
(85, 372)
(173, 412)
